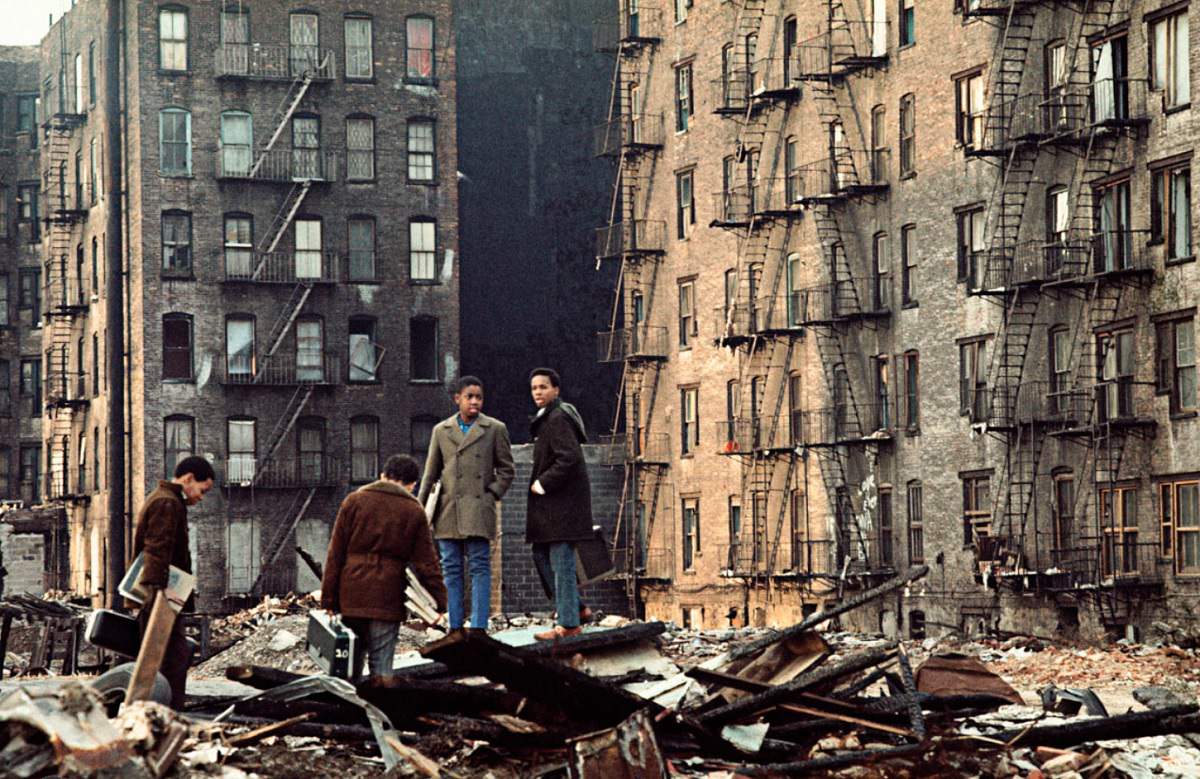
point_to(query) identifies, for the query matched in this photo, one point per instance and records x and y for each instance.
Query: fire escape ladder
(748, 23)
(1024, 454)
(287, 421)
(778, 371)
(781, 517)
(293, 515)
(287, 107)
(1008, 358)
(1012, 50)
(1005, 214)
(283, 218)
(291, 310)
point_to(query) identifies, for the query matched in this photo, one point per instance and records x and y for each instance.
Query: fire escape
(634, 138)
(65, 304)
(283, 462)
(1092, 110)
(849, 296)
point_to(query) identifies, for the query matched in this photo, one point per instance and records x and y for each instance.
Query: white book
(180, 584)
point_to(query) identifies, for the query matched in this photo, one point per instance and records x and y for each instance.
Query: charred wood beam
(849, 604)
(332, 711)
(596, 639)
(260, 677)
(342, 733)
(578, 695)
(861, 684)
(807, 681)
(493, 732)
(311, 562)
(915, 717)
(1157, 722)
(820, 766)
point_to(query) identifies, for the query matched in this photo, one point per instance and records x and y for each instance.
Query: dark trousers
(546, 575)
(176, 659)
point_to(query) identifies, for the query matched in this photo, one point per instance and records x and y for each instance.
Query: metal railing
(306, 470)
(1112, 559)
(64, 293)
(279, 165)
(636, 131)
(853, 46)
(644, 25)
(261, 61)
(620, 448)
(646, 563)
(733, 206)
(1110, 102)
(1024, 403)
(643, 342)
(283, 370)
(747, 81)
(282, 267)
(849, 172)
(639, 235)
(65, 387)
(843, 424)
(1123, 399)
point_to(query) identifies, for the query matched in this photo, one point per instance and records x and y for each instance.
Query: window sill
(687, 455)
(366, 80)
(363, 382)
(173, 73)
(360, 282)
(912, 431)
(427, 382)
(1175, 109)
(423, 182)
(424, 283)
(906, 175)
(904, 46)
(172, 175)
(1170, 262)
(1180, 415)
(362, 181)
(685, 347)
(189, 380)
(178, 275)
(421, 81)
(909, 304)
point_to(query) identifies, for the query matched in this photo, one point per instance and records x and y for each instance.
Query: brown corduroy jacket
(380, 530)
(161, 532)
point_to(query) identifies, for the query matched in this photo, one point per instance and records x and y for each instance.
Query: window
(364, 449)
(420, 434)
(95, 364)
(364, 360)
(30, 474)
(689, 420)
(687, 314)
(727, 94)
(310, 450)
(878, 143)
(177, 347)
(977, 509)
(360, 62)
(235, 30)
(179, 437)
(732, 410)
(801, 561)
(908, 134)
(26, 113)
(5, 473)
(691, 532)
(79, 104)
(1179, 517)
(1176, 363)
(969, 110)
(883, 397)
(908, 23)
(239, 349)
(886, 539)
(792, 181)
(1169, 61)
(1110, 76)
(306, 147)
(92, 73)
(1058, 221)
(912, 393)
(422, 249)
(681, 10)
(970, 241)
(908, 265)
(685, 204)
(79, 182)
(308, 249)
(1057, 115)
(751, 64)
(96, 459)
(1059, 361)
(1113, 222)
(4, 300)
(27, 204)
(683, 97)
(172, 39)
(241, 442)
(1063, 516)
(29, 296)
(1171, 209)
(304, 39)
(791, 37)
(31, 383)
(1115, 388)
(177, 242)
(239, 246)
(93, 172)
(5, 390)
(310, 350)
(237, 143)
(420, 150)
(423, 348)
(360, 149)
(972, 379)
(916, 524)
(880, 278)
(175, 142)
(419, 48)
(1119, 531)
(360, 233)
(796, 408)
(735, 532)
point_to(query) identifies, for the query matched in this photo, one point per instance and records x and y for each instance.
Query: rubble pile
(233, 628)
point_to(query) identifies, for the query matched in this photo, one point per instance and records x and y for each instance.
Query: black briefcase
(331, 645)
(113, 631)
(593, 561)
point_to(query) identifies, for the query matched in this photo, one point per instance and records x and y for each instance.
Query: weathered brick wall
(520, 589)
(24, 556)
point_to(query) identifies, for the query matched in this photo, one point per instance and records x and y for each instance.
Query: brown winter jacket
(161, 531)
(380, 530)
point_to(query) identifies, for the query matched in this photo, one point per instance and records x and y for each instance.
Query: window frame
(690, 530)
(424, 320)
(410, 76)
(908, 266)
(1169, 82)
(190, 348)
(249, 456)
(1171, 530)
(1163, 211)
(684, 96)
(176, 271)
(973, 383)
(688, 327)
(370, 328)
(970, 239)
(351, 221)
(186, 143)
(347, 48)
(915, 510)
(1169, 371)
(689, 420)
(976, 506)
(431, 154)
(969, 86)
(253, 356)
(362, 154)
(168, 466)
(185, 41)
(685, 211)
(237, 247)
(356, 451)
(432, 277)
(912, 391)
(908, 11)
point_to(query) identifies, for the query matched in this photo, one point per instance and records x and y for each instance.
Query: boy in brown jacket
(380, 530)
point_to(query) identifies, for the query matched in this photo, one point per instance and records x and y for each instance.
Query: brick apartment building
(906, 283)
(290, 271)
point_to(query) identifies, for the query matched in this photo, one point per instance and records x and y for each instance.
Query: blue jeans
(478, 552)
(559, 558)
(376, 642)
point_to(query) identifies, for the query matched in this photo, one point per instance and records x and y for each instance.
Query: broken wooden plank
(152, 650)
(419, 763)
(597, 639)
(796, 708)
(1156, 722)
(802, 683)
(916, 718)
(849, 604)
(266, 730)
(821, 766)
(501, 734)
(260, 677)
(578, 695)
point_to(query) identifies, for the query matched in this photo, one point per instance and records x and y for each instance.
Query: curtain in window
(360, 149)
(237, 140)
(364, 445)
(241, 450)
(1181, 213)
(422, 240)
(308, 249)
(239, 347)
(304, 37)
(362, 357)
(358, 49)
(311, 454)
(309, 365)
(420, 48)
(306, 144)
(178, 436)
(238, 246)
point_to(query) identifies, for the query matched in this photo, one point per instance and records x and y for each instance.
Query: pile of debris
(233, 628)
(635, 699)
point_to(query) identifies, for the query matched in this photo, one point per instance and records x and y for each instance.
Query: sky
(26, 21)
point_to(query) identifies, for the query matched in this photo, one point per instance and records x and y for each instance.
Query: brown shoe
(557, 632)
(585, 615)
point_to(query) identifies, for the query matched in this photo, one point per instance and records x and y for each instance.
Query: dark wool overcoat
(564, 513)
(380, 530)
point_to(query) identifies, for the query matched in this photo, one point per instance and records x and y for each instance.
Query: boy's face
(470, 401)
(542, 390)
